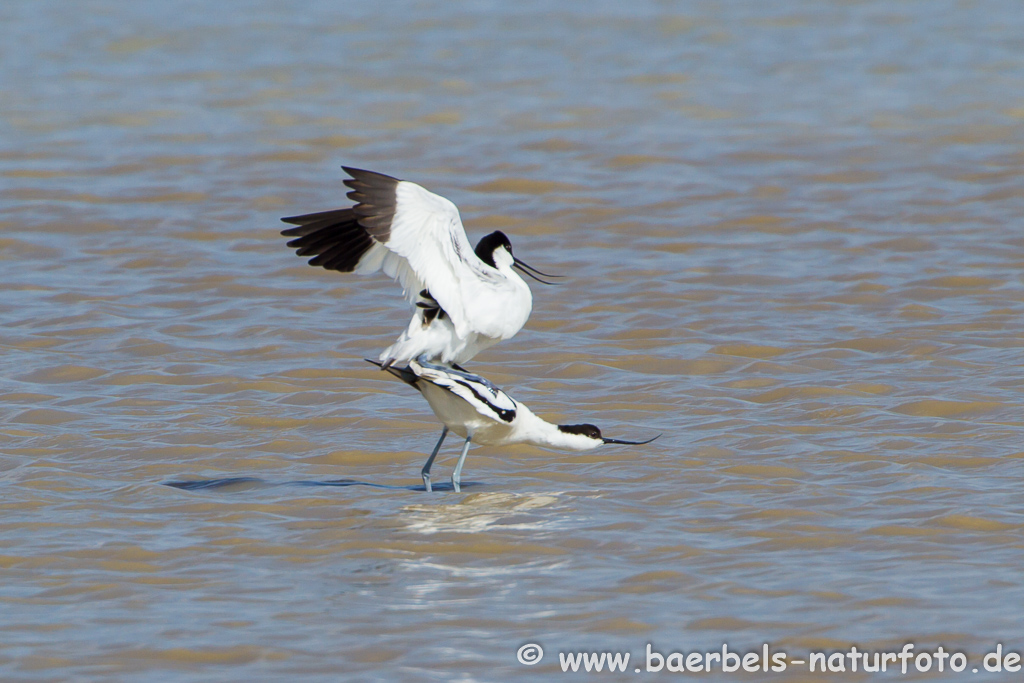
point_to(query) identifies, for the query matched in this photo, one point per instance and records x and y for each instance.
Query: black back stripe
(504, 414)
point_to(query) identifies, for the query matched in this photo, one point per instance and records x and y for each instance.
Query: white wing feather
(431, 247)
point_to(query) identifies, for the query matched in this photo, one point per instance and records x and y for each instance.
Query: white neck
(503, 263)
(503, 260)
(529, 428)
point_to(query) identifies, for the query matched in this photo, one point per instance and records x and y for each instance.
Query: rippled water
(794, 238)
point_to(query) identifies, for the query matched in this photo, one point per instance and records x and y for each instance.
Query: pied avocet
(480, 412)
(466, 300)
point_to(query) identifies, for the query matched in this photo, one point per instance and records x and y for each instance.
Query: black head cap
(487, 245)
(585, 430)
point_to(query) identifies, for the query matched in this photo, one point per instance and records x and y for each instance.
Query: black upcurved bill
(521, 264)
(630, 443)
(516, 263)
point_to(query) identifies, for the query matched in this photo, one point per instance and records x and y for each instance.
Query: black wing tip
(375, 197)
(404, 374)
(334, 238)
(368, 176)
(341, 237)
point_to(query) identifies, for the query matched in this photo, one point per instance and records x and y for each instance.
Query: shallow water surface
(793, 239)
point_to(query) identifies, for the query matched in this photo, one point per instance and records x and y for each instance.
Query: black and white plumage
(475, 409)
(467, 300)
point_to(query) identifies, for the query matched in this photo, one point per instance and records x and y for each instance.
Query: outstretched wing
(486, 399)
(414, 236)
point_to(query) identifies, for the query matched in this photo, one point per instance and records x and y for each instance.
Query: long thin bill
(630, 443)
(523, 264)
(518, 264)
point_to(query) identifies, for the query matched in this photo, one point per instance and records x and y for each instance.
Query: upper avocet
(478, 411)
(466, 300)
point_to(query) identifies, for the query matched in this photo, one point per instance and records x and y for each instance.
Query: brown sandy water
(794, 241)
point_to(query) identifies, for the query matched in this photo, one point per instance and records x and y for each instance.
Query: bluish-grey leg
(457, 474)
(425, 472)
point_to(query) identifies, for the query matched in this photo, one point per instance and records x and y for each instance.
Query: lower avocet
(480, 412)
